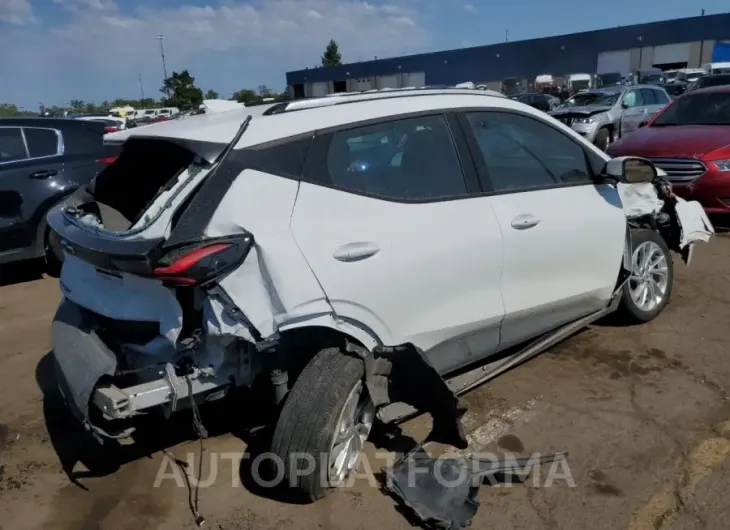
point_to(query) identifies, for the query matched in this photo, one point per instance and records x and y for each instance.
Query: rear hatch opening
(121, 198)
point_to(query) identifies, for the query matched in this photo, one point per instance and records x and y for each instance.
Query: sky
(53, 51)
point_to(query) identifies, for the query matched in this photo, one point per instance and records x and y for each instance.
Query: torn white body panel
(275, 284)
(693, 221)
(122, 296)
(639, 199)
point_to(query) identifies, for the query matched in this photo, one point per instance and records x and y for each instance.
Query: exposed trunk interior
(122, 192)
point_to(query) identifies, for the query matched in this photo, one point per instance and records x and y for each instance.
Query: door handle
(356, 251)
(523, 222)
(44, 174)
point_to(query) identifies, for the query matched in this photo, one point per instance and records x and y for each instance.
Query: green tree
(211, 94)
(265, 92)
(331, 55)
(182, 91)
(246, 96)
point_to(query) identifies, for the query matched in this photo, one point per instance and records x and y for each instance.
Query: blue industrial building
(687, 42)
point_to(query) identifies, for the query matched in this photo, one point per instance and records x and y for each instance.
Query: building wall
(558, 55)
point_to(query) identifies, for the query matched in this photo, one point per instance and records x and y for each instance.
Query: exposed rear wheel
(649, 287)
(325, 420)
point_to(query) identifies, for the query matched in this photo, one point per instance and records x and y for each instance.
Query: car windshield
(712, 108)
(589, 99)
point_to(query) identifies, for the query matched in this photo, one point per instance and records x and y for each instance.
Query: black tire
(628, 309)
(602, 139)
(309, 417)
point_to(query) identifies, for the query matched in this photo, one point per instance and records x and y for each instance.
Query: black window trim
(59, 142)
(315, 169)
(25, 143)
(594, 162)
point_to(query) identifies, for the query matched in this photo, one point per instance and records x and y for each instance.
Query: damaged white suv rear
(223, 249)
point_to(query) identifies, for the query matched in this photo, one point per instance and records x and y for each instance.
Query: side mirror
(624, 105)
(630, 169)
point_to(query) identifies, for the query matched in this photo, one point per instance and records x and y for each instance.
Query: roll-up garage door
(671, 54)
(612, 62)
(319, 89)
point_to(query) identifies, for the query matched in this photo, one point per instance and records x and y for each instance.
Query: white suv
(222, 248)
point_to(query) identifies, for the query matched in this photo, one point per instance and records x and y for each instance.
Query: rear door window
(41, 142)
(648, 96)
(12, 146)
(661, 97)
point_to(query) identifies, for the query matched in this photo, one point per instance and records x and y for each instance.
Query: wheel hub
(353, 428)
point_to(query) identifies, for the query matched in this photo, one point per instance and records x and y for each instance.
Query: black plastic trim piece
(133, 256)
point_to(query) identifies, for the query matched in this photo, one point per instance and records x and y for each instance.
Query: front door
(563, 234)
(633, 111)
(398, 245)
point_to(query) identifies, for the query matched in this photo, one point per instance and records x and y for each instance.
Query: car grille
(680, 170)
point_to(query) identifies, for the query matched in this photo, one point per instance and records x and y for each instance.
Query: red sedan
(690, 140)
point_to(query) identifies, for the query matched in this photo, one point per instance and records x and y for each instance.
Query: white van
(716, 68)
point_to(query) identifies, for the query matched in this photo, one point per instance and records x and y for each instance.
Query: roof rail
(338, 98)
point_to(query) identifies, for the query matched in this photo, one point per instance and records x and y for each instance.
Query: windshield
(588, 99)
(670, 75)
(711, 108)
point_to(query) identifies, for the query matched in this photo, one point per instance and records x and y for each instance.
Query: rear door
(563, 235)
(31, 167)
(385, 219)
(634, 111)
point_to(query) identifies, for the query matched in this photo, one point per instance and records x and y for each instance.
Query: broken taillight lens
(111, 128)
(201, 263)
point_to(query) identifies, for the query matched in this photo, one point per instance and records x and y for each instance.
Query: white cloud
(16, 12)
(235, 40)
(471, 8)
(98, 5)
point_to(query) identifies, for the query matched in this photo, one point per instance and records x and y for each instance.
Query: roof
(310, 115)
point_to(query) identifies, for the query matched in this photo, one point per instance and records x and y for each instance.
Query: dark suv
(42, 161)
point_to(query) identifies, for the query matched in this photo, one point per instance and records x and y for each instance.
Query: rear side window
(12, 146)
(410, 159)
(521, 153)
(661, 97)
(41, 142)
(648, 96)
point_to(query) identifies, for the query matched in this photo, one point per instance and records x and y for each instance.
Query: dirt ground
(643, 412)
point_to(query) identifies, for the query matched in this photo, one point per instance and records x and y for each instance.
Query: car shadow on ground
(81, 456)
(21, 272)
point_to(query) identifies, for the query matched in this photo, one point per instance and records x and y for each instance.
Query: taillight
(200, 264)
(107, 160)
(111, 128)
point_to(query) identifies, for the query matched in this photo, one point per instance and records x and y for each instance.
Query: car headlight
(722, 165)
(585, 121)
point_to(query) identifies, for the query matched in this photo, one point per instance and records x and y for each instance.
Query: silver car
(606, 114)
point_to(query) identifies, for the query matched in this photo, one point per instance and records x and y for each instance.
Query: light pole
(162, 54)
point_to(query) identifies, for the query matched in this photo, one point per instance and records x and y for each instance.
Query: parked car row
(689, 140)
